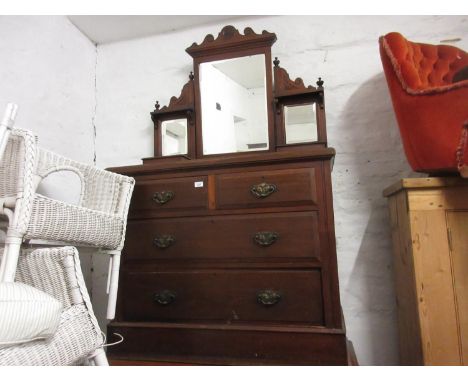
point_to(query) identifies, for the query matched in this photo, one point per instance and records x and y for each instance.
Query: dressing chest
(230, 248)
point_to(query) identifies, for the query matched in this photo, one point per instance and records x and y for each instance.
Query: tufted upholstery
(424, 66)
(429, 107)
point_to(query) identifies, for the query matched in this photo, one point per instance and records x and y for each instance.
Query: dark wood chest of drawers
(231, 261)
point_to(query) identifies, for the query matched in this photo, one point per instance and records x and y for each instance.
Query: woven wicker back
(11, 169)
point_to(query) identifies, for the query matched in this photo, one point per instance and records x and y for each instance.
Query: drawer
(266, 188)
(171, 194)
(228, 296)
(260, 236)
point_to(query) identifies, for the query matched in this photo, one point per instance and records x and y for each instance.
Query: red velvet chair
(462, 153)
(429, 91)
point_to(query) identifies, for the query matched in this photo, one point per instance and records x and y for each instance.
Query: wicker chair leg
(3, 262)
(10, 259)
(113, 284)
(99, 358)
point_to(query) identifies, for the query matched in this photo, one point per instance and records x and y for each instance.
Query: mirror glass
(174, 137)
(300, 123)
(234, 105)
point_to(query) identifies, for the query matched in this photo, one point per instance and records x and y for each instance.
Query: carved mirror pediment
(238, 101)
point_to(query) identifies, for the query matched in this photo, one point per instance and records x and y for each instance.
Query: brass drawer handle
(162, 197)
(268, 297)
(165, 297)
(263, 190)
(163, 241)
(266, 238)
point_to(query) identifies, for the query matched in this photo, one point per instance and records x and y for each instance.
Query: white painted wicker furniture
(99, 219)
(78, 339)
(6, 125)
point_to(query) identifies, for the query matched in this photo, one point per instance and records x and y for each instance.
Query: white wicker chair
(6, 125)
(99, 219)
(78, 339)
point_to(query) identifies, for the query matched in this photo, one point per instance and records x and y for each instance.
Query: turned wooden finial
(157, 105)
(320, 82)
(276, 62)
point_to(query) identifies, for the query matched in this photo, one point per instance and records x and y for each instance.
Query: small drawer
(227, 296)
(171, 194)
(266, 189)
(252, 236)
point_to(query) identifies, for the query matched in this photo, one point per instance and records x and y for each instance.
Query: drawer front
(171, 194)
(265, 236)
(228, 296)
(266, 189)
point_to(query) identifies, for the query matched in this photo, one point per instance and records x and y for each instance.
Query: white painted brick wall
(47, 67)
(131, 75)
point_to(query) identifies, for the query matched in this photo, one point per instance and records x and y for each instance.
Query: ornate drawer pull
(165, 297)
(162, 197)
(263, 190)
(164, 241)
(266, 238)
(268, 297)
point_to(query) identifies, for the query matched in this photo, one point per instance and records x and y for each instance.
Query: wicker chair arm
(101, 190)
(17, 168)
(58, 169)
(17, 163)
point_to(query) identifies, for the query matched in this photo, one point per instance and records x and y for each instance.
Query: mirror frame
(280, 91)
(229, 44)
(178, 108)
(290, 93)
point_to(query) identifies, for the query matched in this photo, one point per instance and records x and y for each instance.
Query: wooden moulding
(152, 165)
(424, 183)
(178, 107)
(185, 102)
(292, 93)
(231, 39)
(248, 344)
(284, 86)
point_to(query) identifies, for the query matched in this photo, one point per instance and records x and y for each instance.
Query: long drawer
(226, 296)
(264, 236)
(266, 188)
(183, 194)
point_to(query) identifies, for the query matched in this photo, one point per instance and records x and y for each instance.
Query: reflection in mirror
(233, 105)
(300, 123)
(174, 137)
